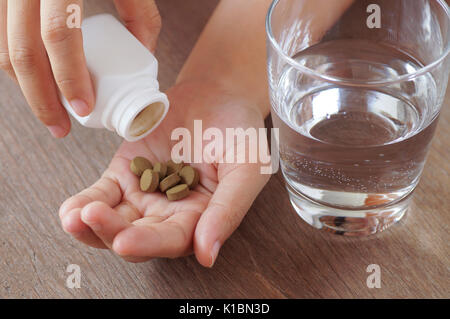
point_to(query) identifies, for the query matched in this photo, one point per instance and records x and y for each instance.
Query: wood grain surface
(273, 254)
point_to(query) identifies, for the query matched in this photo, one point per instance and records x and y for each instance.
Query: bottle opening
(146, 119)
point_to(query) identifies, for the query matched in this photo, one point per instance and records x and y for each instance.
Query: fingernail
(80, 107)
(214, 252)
(57, 131)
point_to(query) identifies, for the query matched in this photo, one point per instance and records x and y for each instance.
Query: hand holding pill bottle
(41, 48)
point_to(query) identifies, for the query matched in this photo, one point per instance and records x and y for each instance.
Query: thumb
(239, 184)
(142, 18)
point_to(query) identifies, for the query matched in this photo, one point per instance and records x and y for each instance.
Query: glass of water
(356, 88)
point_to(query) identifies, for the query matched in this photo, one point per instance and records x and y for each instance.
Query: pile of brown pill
(174, 179)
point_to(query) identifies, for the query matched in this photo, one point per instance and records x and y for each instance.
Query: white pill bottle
(124, 75)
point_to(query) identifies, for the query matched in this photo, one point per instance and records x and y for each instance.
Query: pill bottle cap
(140, 113)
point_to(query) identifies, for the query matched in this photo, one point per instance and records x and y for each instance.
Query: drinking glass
(356, 88)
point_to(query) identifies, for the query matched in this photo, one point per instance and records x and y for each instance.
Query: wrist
(225, 88)
(211, 101)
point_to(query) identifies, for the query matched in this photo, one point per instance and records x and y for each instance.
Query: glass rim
(338, 80)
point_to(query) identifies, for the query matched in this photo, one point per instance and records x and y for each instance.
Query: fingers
(104, 221)
(64, 46)
(142, 18)
(73, 225)
(233, 197)
(105, 190)
(5, 63)
(31, 66)
(170, 238)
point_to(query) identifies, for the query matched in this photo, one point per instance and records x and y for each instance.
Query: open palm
(114, 213)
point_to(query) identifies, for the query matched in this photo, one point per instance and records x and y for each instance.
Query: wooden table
(273, 254)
